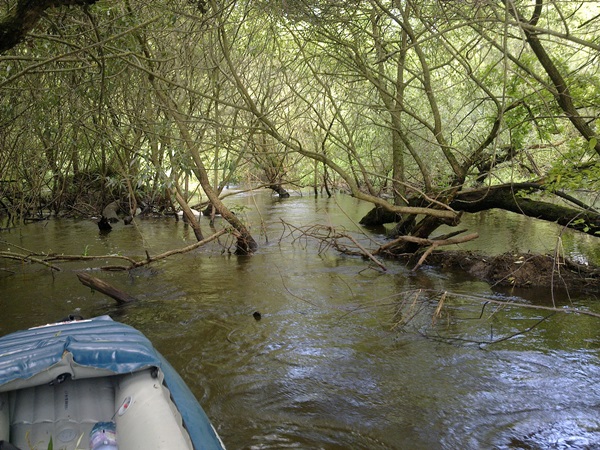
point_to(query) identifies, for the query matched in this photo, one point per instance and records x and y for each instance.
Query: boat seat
(65, 412)
(4, 417)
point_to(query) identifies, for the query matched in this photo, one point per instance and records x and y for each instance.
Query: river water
(345, 355)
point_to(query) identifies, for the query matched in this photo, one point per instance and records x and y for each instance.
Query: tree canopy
(424, 109)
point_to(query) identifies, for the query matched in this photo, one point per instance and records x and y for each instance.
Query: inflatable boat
(95, 384)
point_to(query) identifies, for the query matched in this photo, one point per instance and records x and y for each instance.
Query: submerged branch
(365, 252)
(150, 259)
(329, 236)
(107, 289)
(27, 258)
(41, 258)
(421, 308)
(553, 309)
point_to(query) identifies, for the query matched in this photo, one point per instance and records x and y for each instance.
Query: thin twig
(367, 253)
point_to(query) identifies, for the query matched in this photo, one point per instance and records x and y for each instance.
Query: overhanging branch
(511, 197)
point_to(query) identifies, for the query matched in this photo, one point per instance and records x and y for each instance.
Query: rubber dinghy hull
(59, 380)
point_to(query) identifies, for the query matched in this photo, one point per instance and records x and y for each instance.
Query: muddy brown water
(331, 365)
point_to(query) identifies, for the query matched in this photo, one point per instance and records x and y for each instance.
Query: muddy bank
(519, 269)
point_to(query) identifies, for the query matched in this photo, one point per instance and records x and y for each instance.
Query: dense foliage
(408, 105)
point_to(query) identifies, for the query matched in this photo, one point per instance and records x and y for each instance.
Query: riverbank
(520, 269)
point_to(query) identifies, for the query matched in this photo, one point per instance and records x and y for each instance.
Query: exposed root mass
(520, 269)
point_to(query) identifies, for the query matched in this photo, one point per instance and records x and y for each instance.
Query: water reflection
(502, 231)
(328, 366)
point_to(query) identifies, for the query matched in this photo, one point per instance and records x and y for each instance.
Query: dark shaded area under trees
(26, 14)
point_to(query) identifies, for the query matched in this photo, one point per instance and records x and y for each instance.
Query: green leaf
(592, 143)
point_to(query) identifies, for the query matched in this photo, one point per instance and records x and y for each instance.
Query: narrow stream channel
(344, 356)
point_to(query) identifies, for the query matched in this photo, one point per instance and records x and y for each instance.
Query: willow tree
(285, 132)
(474, 102)
(104, 62)
(181, 87)
(54, 93)
(441, 106)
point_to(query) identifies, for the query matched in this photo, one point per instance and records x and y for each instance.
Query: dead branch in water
(107, 289)
(329, 236)
(433, 244)
(150, 259)
(65, 258)
(28, 258)
(44, 258)
(424, 307)
(365, 252)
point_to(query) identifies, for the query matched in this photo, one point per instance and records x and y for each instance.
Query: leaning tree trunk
(188, 213)
(510, 198)
(245, 242)
(280, 190)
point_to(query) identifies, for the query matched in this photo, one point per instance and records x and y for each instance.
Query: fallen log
(107, 289)
(512, 197)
